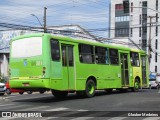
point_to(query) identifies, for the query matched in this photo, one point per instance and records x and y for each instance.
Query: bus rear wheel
(136, 86)
(8, 91)
(90, 88)
(29, 92)
(59, 94)
(21, 93)
(109, 90)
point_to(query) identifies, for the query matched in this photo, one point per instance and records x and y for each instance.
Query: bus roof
(90, 42)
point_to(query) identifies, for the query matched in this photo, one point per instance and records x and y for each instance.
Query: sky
(89, 14)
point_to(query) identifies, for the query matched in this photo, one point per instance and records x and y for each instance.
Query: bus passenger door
(124, 69)
(68, 66)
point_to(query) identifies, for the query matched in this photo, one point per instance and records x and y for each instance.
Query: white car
(153, 83)
(2, 88)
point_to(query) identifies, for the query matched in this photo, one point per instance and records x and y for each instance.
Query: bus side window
(55, 51)
(107, 57)
(113, 55)
(101, 55)
(134, 59)
(86, 53)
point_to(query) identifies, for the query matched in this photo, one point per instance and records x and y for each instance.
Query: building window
(140, 5)
(156, 57)
(140, 32)
(155, 68)
(156, 44)
(140, 42)
(144, 18)
(144, 44)
(131, 32)
(156, 30)
(121, 32)
(144, 3)
(131, 6)
(156, 4)
(140, 19)
(131, 18)
(122, 19)
(157, 18)
(119, 6)
(144, 30)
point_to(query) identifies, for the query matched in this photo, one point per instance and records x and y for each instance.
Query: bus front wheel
(59, 94)
(136, 86)
(90, 88)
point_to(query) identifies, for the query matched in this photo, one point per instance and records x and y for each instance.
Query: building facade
(140, 23)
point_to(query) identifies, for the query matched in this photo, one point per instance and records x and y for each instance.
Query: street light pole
(45, 30)
(149, 40)
(44, 25)
(37, 19)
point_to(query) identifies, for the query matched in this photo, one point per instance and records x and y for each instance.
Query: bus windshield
(26, 47)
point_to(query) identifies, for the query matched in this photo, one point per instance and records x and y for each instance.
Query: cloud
(87, 13)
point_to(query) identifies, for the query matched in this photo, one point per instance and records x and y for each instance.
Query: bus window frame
(81, 54)
(133, 57)
(106, 56)
(110, 49)
(52, 56)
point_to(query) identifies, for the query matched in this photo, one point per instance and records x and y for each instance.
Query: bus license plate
(25, 84)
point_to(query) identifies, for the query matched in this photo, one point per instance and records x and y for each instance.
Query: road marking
(57, 109)
(152, 118)
(6, 104)
(82, 118)
(118, 118)
(34, 108)
(14, 108)
(82, 110)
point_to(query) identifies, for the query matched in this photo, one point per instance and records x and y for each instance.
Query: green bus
(41, 61)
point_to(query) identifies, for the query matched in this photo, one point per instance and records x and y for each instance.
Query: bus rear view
(27, 69)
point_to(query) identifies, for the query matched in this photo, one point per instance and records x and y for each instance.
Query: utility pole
(45, 30)
(149, 40)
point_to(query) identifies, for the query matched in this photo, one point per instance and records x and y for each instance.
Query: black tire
(157, 87)
(90, 88)
(80, 93)
(136, 86)
(8, 91)
(29, 92)
(123, 90)
(1, 94)
(59, 94)
(109, 90)
(21, 93)
(41, 92)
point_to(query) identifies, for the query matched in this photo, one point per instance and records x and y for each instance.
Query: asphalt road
(144, 104)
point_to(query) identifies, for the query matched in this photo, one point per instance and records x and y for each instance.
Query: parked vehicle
(153, 83)
(11, 90)
(2, 88)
